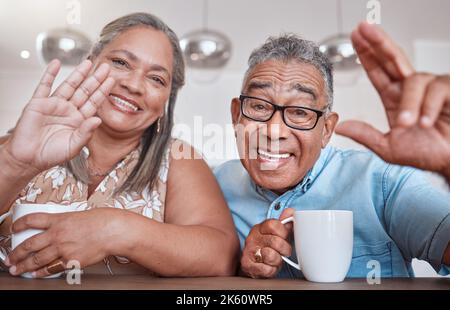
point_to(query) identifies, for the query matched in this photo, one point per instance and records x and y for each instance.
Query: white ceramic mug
(20, 210)
(323, 244)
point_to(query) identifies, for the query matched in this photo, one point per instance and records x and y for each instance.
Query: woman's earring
(158, 126)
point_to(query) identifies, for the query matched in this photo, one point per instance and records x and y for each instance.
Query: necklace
(93, 172)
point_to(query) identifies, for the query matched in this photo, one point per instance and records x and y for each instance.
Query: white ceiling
(246, 22)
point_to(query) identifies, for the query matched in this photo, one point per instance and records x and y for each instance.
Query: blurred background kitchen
(218, 36)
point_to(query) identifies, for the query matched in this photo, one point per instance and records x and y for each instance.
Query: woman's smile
(123, 104)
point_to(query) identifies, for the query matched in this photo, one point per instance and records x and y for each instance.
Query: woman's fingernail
(426, 121)
(103, 67)
(13, 270)
(86, 62)
(7, 262)
(406, 117)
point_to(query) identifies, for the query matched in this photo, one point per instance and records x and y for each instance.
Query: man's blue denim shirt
(398, 214)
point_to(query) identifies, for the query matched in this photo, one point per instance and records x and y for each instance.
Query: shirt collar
(316, 169)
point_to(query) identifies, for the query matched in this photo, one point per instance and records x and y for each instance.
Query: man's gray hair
(288, 47)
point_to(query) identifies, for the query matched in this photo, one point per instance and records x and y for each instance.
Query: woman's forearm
(13, 178)
(173, 250)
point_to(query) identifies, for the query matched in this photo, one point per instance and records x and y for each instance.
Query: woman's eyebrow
(129, 54)
(133, 57)
(156, 67)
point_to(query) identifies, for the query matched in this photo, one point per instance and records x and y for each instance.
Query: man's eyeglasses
(296, 117)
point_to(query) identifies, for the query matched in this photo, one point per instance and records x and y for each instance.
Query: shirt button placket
(277, 207)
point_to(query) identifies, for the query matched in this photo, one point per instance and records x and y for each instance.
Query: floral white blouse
(58, 186)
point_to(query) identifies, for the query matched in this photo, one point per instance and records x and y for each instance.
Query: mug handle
(287, 260)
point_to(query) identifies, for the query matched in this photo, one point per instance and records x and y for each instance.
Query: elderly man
(286, 165)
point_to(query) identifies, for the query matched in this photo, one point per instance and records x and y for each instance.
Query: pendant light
(339, 47)
(67, 45)
(205, 48)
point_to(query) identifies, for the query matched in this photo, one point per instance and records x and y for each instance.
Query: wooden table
(138, 282)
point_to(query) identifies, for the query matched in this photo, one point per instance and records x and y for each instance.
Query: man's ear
(235, 110)
(331, 121)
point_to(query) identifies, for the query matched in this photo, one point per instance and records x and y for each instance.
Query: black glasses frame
(280, 108)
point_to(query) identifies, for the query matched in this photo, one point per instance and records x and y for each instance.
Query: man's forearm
(446, 259)
(173, 250)
(13, 178)
(446, 175)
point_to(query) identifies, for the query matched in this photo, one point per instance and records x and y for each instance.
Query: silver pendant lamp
(205, 48)
(339, 48)
(67, 45)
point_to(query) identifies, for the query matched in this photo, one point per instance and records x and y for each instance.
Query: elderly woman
(102, 141)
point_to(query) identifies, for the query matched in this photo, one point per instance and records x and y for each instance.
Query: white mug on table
(20, 210)
(323, 244)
